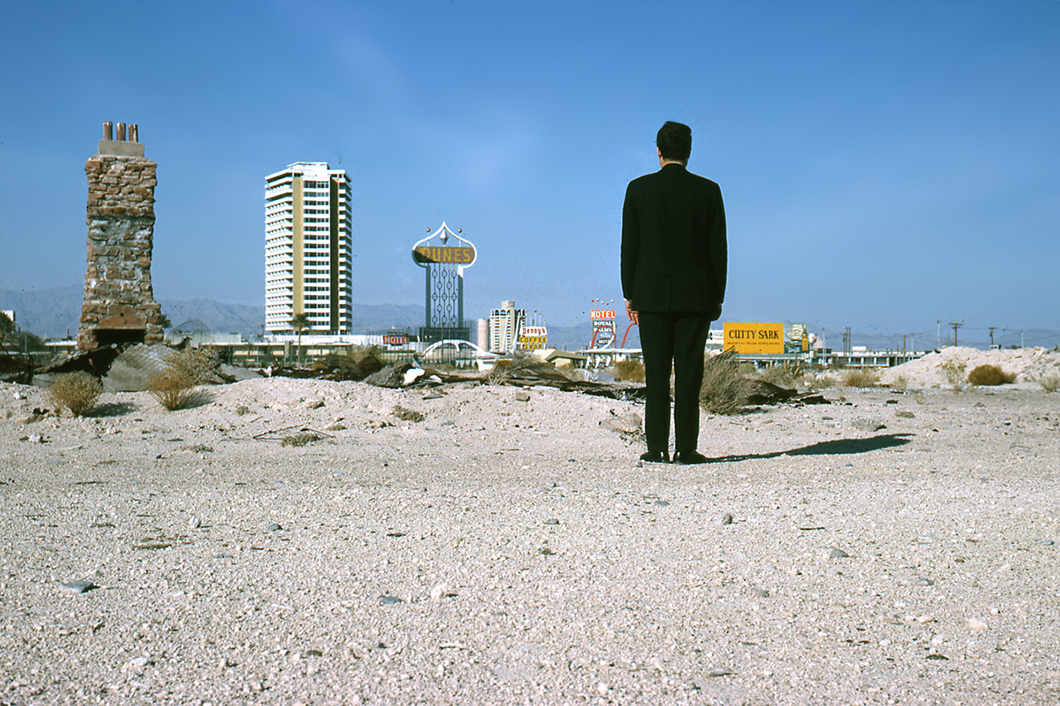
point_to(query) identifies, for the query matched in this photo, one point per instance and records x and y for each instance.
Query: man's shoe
(687, 458)
(655, 457)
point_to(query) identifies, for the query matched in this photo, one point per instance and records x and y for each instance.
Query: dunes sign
(446, 255)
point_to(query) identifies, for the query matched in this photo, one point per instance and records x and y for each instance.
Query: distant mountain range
(53, 313)
(49, 313)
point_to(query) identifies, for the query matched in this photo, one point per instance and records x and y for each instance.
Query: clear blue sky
(885, 165)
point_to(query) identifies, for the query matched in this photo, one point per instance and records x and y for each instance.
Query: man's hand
(632, 314)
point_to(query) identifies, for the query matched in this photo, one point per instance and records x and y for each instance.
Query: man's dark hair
(674, 141)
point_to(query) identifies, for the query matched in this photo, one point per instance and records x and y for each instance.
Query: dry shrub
(990, 375)
(899, 383)
(1050, 383)
(173, 388)
(953, 369)
(503, 370)
(629, 370)
(197, 365)
(724, 389)
(861, 377)
(786, 375)
(76, 392)
(821, 381)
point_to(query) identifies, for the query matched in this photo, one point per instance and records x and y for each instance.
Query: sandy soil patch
(888, 547)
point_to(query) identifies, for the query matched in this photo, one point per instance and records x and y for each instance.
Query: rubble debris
(547, 376)
(300, 439)
(629, 426)
(16, 371)
(356, 366)
(304, 435)
(94, 362)
(134, 366)
(763, 392)
(408, 375)
(407, 415)
(14, 367)
(128, 368)
(392, 376)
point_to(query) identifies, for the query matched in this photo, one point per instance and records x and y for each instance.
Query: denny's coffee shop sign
(754, 338)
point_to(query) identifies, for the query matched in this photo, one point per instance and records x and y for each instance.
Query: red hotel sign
(602, 314)
(395, 340)
(441, 254)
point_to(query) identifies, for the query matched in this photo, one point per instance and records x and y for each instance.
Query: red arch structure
(626, 334)
(597, 330)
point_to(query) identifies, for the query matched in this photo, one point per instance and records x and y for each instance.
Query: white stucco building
(308, 249)
(505, 325)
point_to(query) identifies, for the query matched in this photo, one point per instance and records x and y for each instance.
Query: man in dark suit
(673, 279)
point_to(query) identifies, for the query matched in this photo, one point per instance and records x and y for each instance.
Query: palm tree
(6, 325)
(300, 322)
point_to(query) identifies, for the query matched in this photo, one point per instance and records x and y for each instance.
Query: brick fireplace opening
(119, 305)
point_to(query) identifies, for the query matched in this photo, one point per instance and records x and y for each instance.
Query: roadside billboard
(754, 337)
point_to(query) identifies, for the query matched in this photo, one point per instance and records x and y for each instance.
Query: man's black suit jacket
(674, 252)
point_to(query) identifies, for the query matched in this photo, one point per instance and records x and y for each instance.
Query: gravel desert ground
(889, 547)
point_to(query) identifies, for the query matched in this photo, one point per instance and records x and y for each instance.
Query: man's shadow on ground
(827, 448)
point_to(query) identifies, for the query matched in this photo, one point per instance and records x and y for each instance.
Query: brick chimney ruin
(119, 304)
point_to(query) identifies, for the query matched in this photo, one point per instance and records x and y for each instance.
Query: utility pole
(992, 336)
(956, 325)
(846, 340)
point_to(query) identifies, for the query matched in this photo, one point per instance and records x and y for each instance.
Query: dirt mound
(1030, 365)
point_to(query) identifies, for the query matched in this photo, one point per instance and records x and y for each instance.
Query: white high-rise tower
(308, 249)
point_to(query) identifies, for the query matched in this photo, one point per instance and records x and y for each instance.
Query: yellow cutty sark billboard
(754, 337)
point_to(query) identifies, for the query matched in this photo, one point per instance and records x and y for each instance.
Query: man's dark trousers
(677, 338)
